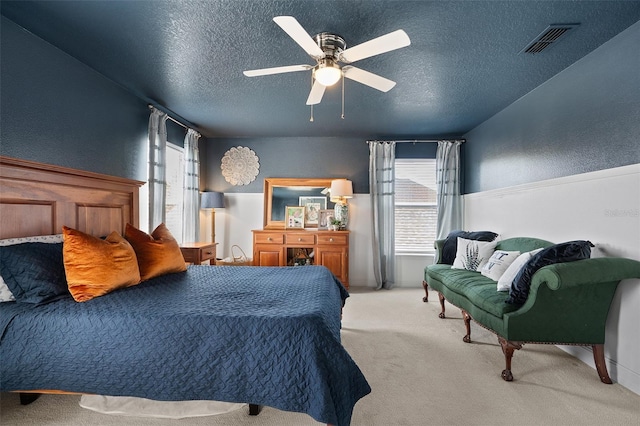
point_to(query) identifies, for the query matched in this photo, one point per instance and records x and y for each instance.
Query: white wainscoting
(603, 207)
(243, 212)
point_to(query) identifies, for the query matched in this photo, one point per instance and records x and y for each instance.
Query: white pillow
(5, 293)
(505, 281)
(498, 263)
(49, 239)
(472, 255)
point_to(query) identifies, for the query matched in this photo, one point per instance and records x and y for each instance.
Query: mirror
(282, 192)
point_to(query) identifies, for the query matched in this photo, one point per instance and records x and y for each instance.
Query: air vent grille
(551, 35)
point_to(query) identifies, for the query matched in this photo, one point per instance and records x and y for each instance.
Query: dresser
(301, 247)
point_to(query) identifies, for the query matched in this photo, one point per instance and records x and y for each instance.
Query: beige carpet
(421, 373)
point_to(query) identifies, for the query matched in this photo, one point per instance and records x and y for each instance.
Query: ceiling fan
(329, 50)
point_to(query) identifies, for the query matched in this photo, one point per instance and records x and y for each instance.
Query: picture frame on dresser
(312, 206)
(324, 218)
(294, 217)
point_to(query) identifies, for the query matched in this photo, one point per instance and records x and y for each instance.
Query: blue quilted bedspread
(260, 335)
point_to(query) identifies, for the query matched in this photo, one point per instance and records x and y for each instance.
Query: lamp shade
(212, 200)
(341, 188)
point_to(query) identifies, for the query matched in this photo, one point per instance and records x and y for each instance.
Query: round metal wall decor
(240, 166)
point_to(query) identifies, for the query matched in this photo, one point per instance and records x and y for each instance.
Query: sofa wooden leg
(601, 367)
(508, 347)
(426, 291)
(467, 323)
(441, 298)
(254, 409)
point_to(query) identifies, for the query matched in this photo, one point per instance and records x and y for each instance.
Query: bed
(259, 335)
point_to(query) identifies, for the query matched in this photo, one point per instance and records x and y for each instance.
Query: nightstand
(197, 253)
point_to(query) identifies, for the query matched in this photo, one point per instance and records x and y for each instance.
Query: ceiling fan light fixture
(327, 72)
(328, 50)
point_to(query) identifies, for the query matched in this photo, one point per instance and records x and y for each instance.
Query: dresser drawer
(207, 253)
(269, 238)
(306, 238)
(197, 253)
(333, 239)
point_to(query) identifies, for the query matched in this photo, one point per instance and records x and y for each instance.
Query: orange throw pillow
(94, 266)
(158, 253)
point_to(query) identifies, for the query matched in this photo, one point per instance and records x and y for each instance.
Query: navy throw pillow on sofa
(558, 253)
(450, 246)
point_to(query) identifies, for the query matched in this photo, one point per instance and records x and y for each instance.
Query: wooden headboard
(38, 199)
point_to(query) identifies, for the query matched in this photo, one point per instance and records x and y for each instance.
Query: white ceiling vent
(551, 35)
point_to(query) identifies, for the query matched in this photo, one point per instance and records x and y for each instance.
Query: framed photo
(312, 206)
(294, 217)
(324, 218)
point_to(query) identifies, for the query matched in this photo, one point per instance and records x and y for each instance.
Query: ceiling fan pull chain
(342, 116)
(311, 119)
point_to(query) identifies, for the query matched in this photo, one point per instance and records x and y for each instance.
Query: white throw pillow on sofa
(505, 281)
(472, 255)
(498, 263)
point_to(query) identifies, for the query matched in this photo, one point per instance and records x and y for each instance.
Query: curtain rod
(173, 119)
(420, 140)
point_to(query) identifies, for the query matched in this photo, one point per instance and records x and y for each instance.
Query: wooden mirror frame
(270, 183)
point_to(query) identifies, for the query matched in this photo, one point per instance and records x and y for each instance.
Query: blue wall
(586, 118)
(56, 110)
(309, 157)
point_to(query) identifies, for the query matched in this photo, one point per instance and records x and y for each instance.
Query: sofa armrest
(438, 245)
(584, 272)
(569, 302)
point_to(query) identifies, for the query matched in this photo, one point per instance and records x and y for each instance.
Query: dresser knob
(299, 239)
(269, 238)
(330, 240)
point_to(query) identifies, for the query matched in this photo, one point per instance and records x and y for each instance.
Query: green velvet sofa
(568, 303)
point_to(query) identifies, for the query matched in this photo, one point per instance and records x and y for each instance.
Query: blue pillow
(34, 272)
(558, 253)
(450, 246)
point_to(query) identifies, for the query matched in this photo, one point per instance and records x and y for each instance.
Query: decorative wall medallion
(240, 166)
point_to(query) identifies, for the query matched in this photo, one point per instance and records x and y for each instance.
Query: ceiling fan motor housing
(331, 44)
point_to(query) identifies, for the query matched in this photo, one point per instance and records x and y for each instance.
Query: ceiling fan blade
(367, 78)
(315, 96)
(292, 27)
(376, 46)
(276, 70)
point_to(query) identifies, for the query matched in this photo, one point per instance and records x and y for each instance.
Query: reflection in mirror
(289, 196)
(282, 192)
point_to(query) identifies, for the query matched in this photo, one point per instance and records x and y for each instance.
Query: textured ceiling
(462, 67)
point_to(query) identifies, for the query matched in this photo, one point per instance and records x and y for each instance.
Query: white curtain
(382, 187)
(450, 204)
(157, 167)
(191, 216)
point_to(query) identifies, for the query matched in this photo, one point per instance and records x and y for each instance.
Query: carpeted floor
(421, 373)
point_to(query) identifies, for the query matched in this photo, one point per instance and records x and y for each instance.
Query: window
(415, 205)
(175, 190)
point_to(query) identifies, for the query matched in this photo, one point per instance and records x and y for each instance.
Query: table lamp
(213, 201)
(341, 190)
